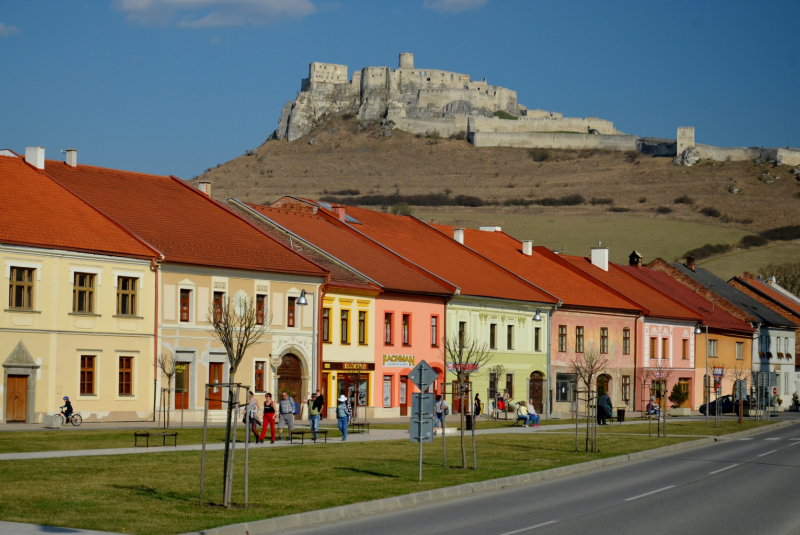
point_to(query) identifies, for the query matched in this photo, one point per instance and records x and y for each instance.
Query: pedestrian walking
(343, 415)
(320, 400)
(441, 409)
(269, 418)
(285, 414)
(603, 409)
(314, 410)
(252, 410)
(478, 406)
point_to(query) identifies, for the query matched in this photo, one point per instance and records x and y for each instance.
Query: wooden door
(404, 395)
(182, 385)
(215, 393)
(536, 391)
(324, 391)
(17, 398)
(289, 377)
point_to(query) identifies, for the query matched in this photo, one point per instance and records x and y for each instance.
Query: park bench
(147, 434)
(303, 432)
(359, 427)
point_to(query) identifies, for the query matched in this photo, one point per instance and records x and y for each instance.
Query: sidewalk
(17, 528)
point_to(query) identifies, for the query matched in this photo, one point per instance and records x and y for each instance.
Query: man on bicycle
(67, 409)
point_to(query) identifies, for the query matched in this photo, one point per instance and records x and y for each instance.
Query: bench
(147, 434)
(359, 427)
(303, 432)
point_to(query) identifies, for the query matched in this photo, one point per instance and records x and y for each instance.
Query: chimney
(341, 212)
(35, 156)
(747, 275)
(690, 263)
(527, 247)
(491, 229)
(600, 257)
(72, 157)
(205, 187)
(458, 235)
(635, 259)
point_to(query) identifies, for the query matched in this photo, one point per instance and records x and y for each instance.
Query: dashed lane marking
(745, 439)
(773, 451)
(649, 493)
(530, 527)
(723, 469)
(776, 438)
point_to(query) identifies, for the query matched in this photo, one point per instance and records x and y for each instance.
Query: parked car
(727, 405)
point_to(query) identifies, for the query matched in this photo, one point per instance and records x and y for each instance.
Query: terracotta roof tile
(772, 294)
(184, 224)
(36, 211)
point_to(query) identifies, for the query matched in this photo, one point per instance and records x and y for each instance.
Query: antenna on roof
(599, 244)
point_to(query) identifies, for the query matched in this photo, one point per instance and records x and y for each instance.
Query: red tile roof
(771, 293)
(38, 212)
(349, 247)
(714, 317)
(544, 269)
(181, 222)
(656, 302)
(431, 250)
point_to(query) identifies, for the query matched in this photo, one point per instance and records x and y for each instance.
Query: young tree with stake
(166, 362)
(587, 366)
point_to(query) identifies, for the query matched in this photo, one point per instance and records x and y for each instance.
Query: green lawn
(751, 260)
(158, 492)
(686, 428)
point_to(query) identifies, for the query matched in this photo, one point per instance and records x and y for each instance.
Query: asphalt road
(749, 485)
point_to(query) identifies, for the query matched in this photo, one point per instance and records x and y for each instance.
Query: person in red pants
(269, 418)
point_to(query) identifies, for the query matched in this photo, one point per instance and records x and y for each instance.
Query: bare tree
(465, 357)
(587, 366)
(740, 373)
(498, 370)
(787, 275)
(238, 326)
(166, 362)
(660, 374)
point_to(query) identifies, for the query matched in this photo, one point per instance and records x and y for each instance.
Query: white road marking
(772, 439)
(745, 439)
(723, 469)
(773, 451)
(530, 527)
(649, 493)
(794, 443)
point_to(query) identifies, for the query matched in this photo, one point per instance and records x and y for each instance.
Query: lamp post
(303, 301)
(697, 330)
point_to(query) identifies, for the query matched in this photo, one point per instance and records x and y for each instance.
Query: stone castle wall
(543, 140)
(734, 154)
(545, 124)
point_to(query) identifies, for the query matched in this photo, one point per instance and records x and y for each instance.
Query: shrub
(710, 212)
(433, 134)
(568, 200)
(631, 156)
(518, 201)
(459, 136)
(601, 200)
(588, 153)
(431, 199)
(684, 199)
(619, 209)
(753, 241)
(500, 114)
(401, 208)
(345, 192)
(791, 232)
(663, 210)
(642, 200)
(540, 155)
(678, 395)
(709, 249)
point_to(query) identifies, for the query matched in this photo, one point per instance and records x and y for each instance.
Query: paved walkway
(16, 528)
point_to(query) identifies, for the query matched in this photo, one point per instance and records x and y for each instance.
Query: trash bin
(468, 418)
(620, 415)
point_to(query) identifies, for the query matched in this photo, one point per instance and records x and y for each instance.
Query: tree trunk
(461, 413)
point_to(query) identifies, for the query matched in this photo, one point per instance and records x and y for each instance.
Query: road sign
(427, 430)
(773, 379)
(719, 371)
(774, 391)
(422, 375)
(740, 389)
(427, 405)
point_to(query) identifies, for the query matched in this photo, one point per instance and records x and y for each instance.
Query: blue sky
(177, 86)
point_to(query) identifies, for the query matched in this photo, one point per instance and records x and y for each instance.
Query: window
(626, 387)
(562, 338)
(87, 375)
(259, 378)
(786, 346)
(83, 293)
(510, 384)
(664, 348)
(291, 312)
(218, 298)
(537, 338)
(345, 327)
(462, 332)
(653, 348)
(712, 348)
(326, 325)
(126, 296)
(20, 288)
(739, 350)
(186, 297)
(362, 327)
(626, 341)
(564, 386)
(685, 349)
(579, 339)
(406, 329)
(492, 336)
(434, 331)
(492, 385)
(604, 340)
(387, 328)
(260, 310)
(778, 345)
(509, 337)
(786, 382)
(125, 376)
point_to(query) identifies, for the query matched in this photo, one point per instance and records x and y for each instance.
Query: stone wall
(685, 138)
(445, 126)
(788, 156)
(552, 140)
(733, 154)
(659, 147)
(545, 124)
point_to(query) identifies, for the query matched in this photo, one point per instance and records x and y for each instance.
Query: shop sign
(455, 367)
(349, 366)
(398, 361)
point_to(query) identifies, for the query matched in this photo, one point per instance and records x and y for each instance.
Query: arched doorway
(536, 391)
(603, 385)
(290, 377)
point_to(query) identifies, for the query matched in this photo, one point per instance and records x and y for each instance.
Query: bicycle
(74, 418)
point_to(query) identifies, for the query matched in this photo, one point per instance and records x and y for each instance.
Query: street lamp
(537, 316)
(302, 301)
(707, 387)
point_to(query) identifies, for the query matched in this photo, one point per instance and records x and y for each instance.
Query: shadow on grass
(367, 472)
(150, 492)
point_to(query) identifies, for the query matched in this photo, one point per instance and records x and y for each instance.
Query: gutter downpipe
(444, 332)
(323, 289)
(548, 406)
(155, 339)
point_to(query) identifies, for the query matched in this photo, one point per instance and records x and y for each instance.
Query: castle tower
(685, 138)
(406, 60)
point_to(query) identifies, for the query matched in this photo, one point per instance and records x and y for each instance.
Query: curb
(312, 518)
